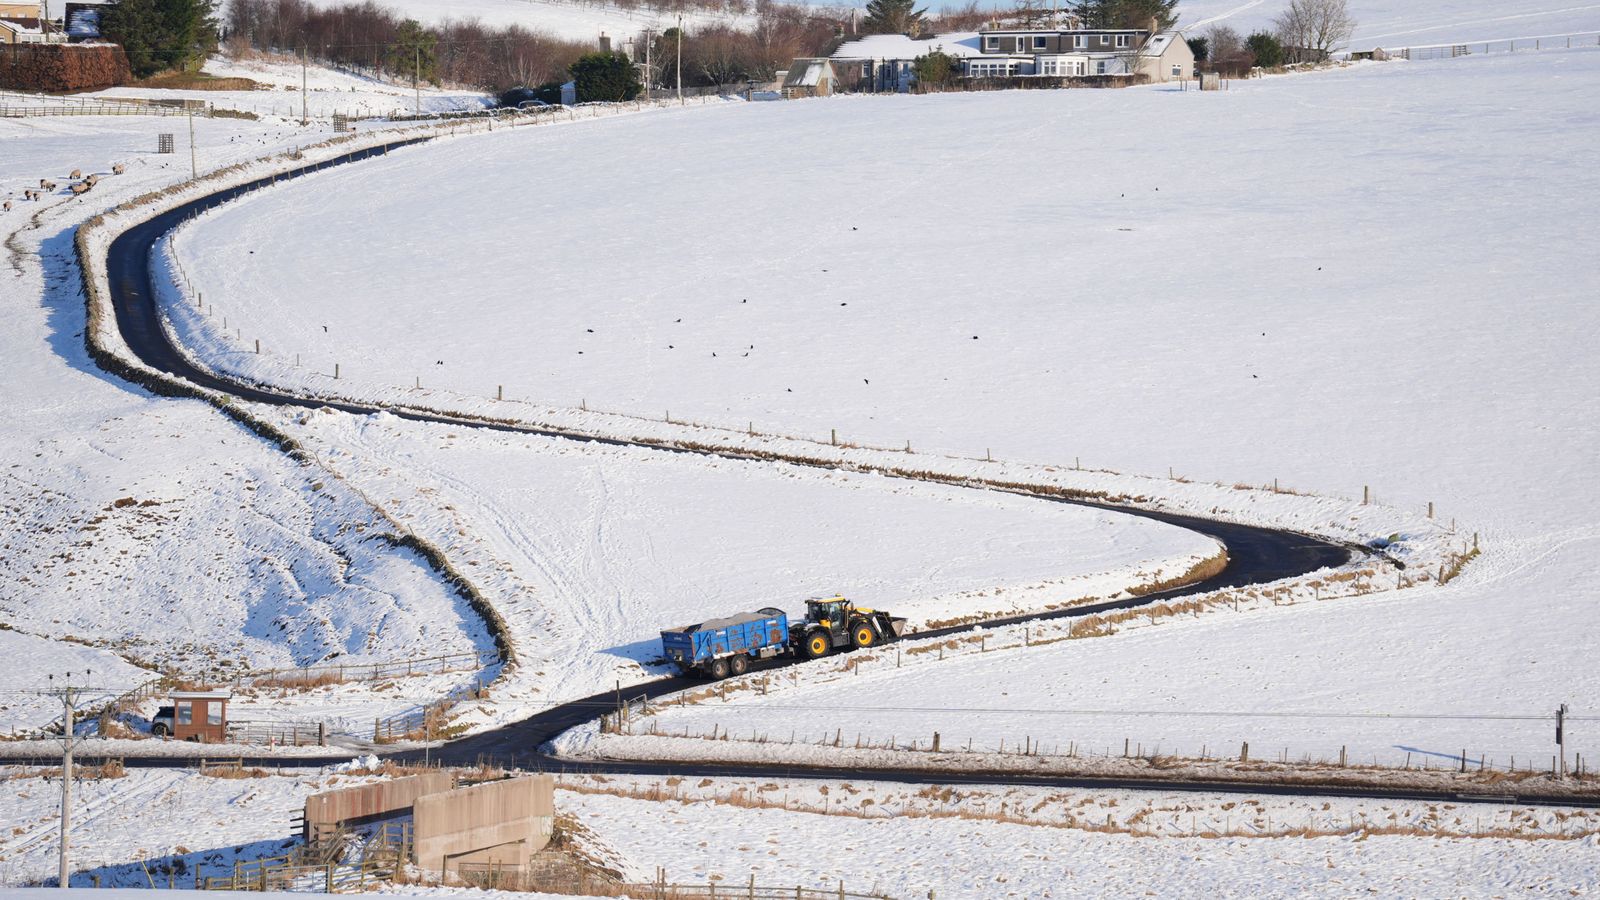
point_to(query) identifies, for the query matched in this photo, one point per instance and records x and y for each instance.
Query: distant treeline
(367, 36)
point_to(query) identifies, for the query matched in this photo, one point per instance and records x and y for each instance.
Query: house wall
(200, 727)
(19, 11)
(1058, 41)
(1177, 54)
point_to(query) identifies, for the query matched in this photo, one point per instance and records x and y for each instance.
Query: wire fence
(492, 876)
(103, 109)
(314, 676)
(1484, 48)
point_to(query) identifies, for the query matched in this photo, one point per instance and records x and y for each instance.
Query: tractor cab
(832, 613)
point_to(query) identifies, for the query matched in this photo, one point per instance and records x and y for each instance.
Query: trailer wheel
(817, 644)
(719, 668)
(739, 664)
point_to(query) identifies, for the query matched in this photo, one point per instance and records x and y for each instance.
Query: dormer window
(1039, 42)
(1122, 40)
(991, 43)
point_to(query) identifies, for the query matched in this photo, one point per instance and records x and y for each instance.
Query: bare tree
(1320, 26)
(1224, 41)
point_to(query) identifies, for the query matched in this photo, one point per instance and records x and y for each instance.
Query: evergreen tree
(412, 54)
(605, 77)
(893, 17)
(1267, 49)
(1200, 46)
(936, 68)
(1126, 13)
(162, 35)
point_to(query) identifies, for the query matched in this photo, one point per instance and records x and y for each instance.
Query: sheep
(118, 169)
(81, 187)
(92, 180)
(47, 185)
(7, 206)
(76, 173)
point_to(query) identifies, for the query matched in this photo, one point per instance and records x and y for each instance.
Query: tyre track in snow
(1256, 555)
(89, 813)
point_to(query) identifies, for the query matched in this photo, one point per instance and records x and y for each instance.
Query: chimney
(605, 43)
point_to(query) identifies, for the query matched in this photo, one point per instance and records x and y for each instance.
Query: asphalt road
(1255, 556)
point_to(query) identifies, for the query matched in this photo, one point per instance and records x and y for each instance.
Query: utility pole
(68, 738)
(194, 168)
(649, 73)
(303, 117)
(416, 78)
(680, 59)
(1561, 738)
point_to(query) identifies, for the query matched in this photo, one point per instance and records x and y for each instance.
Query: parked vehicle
(723, 647)
(161, 722)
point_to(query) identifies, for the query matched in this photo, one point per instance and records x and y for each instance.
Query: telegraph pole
(194, 168)
(680, 59)
(649, 73)
(303, 117)
(1561, 738)
(416, 78)
(68, 739)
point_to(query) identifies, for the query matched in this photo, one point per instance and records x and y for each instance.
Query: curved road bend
(1255, 555)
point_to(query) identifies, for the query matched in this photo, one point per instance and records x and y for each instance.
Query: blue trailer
(723, 647)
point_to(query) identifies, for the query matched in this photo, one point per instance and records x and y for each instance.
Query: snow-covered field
(573, 20)
(1228, 312)
(1411, 23)
(151, 527)
(328, 91)
(593, 550)
(962, 842)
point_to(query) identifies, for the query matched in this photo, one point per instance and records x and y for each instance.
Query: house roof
(1158, 44)
(200, 695)
(808, 73)
(898, 46)
(22, 26)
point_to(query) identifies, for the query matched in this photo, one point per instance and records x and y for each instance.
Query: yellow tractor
(834, 623)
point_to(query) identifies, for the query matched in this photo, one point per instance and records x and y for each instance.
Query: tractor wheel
(862, 635)
(739, 664)
(719, 668)
(817, 644)
(159, 729)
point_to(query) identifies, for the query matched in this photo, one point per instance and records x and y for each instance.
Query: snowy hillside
(569, 19)
(1403, 23)
(153, 528)
(1227, 311)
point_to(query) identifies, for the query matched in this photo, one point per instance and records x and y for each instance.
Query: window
(1080, 41)
(1105, 39)
(1039, 42)
(1122, 40)
(1177, 71)
(1022, 44)
(1100, 67)
(214, 714)
(991, 43)
(185, 712)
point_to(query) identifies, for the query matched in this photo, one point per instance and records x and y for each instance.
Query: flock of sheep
(81, 184)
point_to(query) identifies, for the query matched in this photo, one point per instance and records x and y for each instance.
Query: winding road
(1255, 556)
